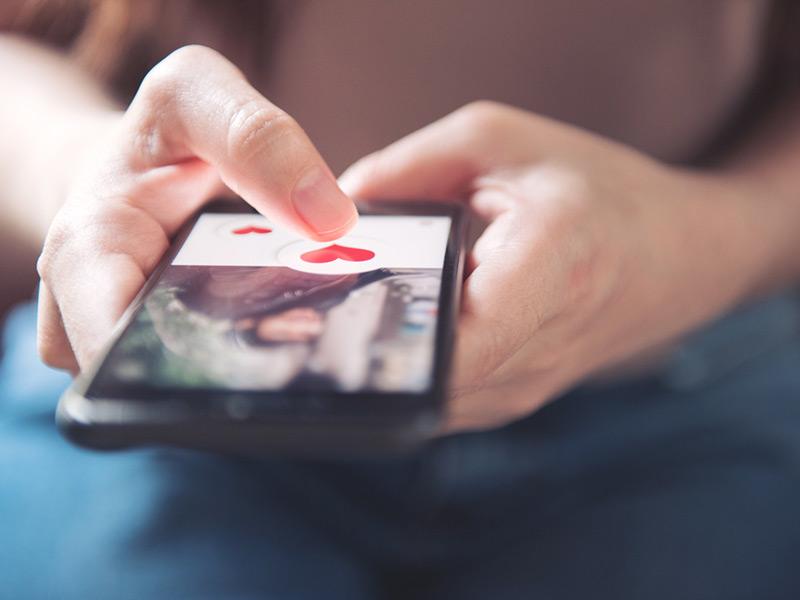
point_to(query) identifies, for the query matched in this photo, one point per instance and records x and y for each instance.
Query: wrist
(763, 220)
(740, 235)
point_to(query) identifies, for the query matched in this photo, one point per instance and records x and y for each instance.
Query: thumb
(439, 161)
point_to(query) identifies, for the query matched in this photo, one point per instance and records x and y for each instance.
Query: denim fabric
(682, 485)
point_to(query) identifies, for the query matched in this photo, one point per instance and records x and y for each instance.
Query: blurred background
(678, 79)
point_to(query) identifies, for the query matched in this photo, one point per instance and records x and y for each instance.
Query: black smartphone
(249, 338)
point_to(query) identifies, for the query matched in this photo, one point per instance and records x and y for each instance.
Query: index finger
(196, 104)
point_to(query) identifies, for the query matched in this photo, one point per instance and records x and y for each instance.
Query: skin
(593, 252)
(194, 125)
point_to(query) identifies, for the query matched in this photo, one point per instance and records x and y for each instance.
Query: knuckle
(255, 126)
(162, 85)
(189, 56)
(159, 91)
(158, 87)
(483, 116)
(161, 81)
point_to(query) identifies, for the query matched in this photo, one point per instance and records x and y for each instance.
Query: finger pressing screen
(197, 104)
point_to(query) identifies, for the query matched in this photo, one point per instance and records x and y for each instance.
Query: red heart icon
(251, 229)
(334, 251)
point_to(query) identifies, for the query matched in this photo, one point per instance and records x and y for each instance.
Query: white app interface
(375, 242)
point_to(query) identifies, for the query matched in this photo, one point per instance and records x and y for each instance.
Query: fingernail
(321, 204)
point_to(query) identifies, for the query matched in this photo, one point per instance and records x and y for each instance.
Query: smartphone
(249, 338)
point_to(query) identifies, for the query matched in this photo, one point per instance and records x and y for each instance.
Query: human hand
(592, 253)
(194, 125)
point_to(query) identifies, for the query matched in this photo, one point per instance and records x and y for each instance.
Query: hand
(592, 253)
(194, 125)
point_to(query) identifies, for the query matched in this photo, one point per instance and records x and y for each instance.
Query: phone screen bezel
(281, 404)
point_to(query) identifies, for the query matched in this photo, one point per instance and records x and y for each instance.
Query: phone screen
(248, 305)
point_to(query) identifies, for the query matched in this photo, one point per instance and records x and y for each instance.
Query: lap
(148, 524)
(671, 487)
(654, 489)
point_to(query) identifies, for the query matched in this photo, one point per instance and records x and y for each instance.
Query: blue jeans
(684, 485)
